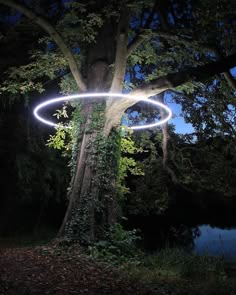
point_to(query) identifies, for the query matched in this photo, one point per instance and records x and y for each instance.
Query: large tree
(148, 47)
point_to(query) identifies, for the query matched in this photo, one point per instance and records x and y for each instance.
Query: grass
(177, 271)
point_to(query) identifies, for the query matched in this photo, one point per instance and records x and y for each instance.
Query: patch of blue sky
(171, 19)
(50, 46)
(233, 71)
(181, 127)
(178, 121)
(134, 22)
(138, 72)
(12, 19)
(76, 50)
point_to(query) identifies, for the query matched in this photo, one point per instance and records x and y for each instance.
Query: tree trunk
(92, 192)
(92, 205)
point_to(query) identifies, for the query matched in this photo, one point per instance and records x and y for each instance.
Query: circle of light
(89, 95)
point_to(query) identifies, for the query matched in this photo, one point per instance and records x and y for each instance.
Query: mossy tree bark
(92, 193)
(92, 202)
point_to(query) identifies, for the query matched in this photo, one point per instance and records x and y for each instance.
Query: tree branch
(44, 24)
(199, 73)
(139, 39)
(164, 83)
(228, 76)
(141, 36)
(120, 63)
(121, 52)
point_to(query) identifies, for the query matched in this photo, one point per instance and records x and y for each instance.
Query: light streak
(91, 95)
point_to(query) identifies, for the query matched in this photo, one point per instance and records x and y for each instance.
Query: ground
(54, 270)
(47, 270)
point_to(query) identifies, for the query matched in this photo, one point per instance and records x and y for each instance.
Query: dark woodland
(100, 208)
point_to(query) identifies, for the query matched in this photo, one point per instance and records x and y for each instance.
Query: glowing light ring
(89, 95)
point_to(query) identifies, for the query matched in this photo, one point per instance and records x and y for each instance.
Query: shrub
(119, 245)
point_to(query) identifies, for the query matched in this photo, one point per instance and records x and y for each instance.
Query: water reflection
(216, 241)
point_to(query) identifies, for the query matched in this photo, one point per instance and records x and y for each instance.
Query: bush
(119, 245)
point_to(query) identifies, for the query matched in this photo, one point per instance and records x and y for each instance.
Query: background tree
(159, 46)
(32, 197)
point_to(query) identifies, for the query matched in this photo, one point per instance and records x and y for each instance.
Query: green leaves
(118, 246)
(57, 141)
(82, 27)
(61, 113)
(20, 87)
(63, 138)
(25, 78)
(188, 87)
(127, 164)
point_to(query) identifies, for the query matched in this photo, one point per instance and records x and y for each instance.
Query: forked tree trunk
(92, 204)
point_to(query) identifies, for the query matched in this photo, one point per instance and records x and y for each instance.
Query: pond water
(216, 241)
